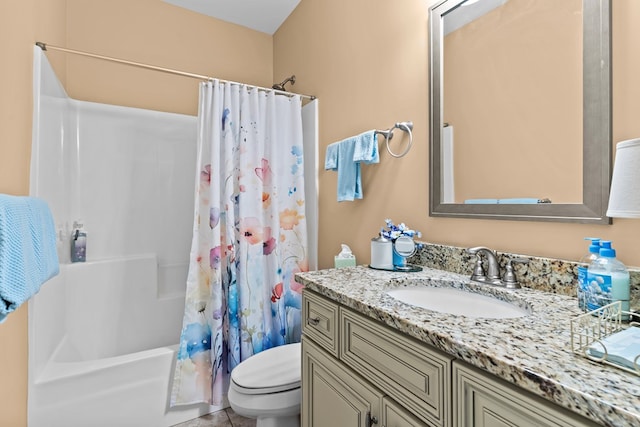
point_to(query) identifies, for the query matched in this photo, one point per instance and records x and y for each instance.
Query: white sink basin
(457, 301)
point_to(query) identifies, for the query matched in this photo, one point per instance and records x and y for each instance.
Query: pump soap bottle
(609, 280)
(78, 243)
(585, 261)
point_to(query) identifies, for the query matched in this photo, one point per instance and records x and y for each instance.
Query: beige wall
(367, 62)
(21, 24)
(149, 31)
(157, 33)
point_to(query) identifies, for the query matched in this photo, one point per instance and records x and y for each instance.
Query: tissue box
(344, 262)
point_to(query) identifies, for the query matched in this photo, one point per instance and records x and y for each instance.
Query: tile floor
(224, 418)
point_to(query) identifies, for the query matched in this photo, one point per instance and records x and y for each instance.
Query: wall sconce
(624, 196)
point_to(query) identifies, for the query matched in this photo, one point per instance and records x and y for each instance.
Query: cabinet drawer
(320, 321)
(481, 400)
(406, 369)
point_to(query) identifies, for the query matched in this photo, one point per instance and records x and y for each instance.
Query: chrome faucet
(492, 275)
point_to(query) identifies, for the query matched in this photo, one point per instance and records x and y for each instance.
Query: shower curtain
(249, 236)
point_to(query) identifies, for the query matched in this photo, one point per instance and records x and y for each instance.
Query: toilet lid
(271, 371)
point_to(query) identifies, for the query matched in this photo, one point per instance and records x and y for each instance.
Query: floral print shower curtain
(249, 236)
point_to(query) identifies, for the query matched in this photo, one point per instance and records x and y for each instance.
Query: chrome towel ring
(388, 135)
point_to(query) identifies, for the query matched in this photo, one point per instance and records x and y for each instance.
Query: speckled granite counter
(533, 352)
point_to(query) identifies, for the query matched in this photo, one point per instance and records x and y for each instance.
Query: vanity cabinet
(357, 372)
(348, 359)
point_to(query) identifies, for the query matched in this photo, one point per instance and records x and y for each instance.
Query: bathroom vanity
(369, 359)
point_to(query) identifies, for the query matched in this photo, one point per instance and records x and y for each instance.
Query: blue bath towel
(28, 255)
(345, 157)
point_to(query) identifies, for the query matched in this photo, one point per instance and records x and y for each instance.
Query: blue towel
(345, 157)
(28, 255)
(520, 201)
(481, 201)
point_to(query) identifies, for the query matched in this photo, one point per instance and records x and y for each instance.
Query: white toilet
(267, 387)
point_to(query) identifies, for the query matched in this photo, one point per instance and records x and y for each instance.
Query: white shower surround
(103, 335)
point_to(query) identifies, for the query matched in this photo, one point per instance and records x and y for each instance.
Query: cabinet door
(482, 400)
(394, 415)
(406, 370)
(333, 397)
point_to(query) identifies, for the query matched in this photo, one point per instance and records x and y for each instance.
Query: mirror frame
(596, 128)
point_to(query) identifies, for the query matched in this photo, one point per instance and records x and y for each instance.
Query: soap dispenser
(585, 261)
(608, 280)
(78, 242)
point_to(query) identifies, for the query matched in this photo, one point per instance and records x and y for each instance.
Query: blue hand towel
(519, 201)
(345, 157)
(365, 148)
(28, 255)
(481, 201)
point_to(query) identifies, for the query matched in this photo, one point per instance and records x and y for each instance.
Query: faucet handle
(478, 270)
(509, 279)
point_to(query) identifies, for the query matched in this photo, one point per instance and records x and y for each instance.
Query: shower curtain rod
(45, 47)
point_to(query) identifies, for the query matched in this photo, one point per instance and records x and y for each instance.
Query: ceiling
(260, 15)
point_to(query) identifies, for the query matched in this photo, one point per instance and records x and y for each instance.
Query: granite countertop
(532, 352)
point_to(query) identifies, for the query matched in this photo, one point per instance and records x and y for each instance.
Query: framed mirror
(520, 109)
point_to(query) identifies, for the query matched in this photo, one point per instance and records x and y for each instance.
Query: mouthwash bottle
(608, 280)
(585, 261)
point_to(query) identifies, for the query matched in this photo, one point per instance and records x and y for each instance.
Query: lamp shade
(624, 197)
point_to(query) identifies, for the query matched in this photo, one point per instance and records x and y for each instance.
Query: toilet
(266, 387)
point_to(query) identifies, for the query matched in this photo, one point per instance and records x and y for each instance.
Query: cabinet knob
(313, 321)
(371, 420)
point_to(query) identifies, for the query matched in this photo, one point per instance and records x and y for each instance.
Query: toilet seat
(275, 370)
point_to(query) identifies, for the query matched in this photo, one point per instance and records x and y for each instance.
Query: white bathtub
(103, 334)
(112, 342)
